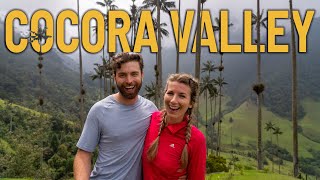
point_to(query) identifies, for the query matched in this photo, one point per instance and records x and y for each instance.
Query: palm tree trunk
(272, 156)
(178, 44)
(81, 73)
(294, 97)
(159, 60)
(219, 121)
(212, 121)
(214, 115)
(206, 119)
(278, 151)
(198, 54)
(259, 142)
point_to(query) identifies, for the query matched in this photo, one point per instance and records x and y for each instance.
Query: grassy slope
(311, 122)
(250, 175)
(244, 127)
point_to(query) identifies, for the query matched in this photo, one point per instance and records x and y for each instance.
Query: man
(117, 125)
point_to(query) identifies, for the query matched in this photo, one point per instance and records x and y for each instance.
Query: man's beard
(122, 91)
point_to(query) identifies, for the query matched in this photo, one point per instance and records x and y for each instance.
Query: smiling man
(117, 125)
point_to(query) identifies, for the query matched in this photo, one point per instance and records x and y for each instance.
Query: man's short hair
(124, 57)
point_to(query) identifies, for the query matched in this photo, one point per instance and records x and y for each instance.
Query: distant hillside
(20, 80)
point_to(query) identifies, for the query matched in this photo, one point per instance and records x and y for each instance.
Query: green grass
(249, 175)
(245, 125)
(311, 121)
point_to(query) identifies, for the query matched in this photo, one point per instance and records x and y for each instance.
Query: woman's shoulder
(156, 117)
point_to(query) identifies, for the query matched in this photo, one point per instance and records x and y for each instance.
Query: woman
(173, 147)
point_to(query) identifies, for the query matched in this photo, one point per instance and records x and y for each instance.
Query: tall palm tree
(178, 44)
(216, 28)
(108, 5)
(40, 36)
(258, 22)
(213, 94)
(99, 69)
(208, 67)
(205, 86)
(270, 127)
(231, 120)
(220, 82)
(159, 5)
(198, 55)
(278, 132)
(82, 91)
(294, 96)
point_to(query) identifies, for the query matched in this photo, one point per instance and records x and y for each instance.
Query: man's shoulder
(147, 102)
(103, 103)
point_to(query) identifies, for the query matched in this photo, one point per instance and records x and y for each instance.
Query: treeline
(36, 145)
(20, 83)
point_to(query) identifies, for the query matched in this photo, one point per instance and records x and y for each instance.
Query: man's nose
(129, 79)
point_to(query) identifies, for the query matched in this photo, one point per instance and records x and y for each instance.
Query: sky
(235, 8)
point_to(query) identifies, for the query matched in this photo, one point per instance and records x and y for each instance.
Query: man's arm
(82, 165)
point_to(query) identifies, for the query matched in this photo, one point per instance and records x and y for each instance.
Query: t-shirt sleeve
(90, 135)
(197, 158)
(153, 107)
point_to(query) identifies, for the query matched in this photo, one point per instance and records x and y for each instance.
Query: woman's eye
(182, 96)
(169, 93)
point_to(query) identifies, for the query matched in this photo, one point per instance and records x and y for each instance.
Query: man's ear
(142, 76)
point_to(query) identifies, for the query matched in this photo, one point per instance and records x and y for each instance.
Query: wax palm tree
(259, 86)
(231, 120)
(198, 40)
(294, 96)
(108, 5)
(278, 132)
(217, 28)
(98, 75)
(208, 67)
(206, 85)
(198, 55)
(82, 91)
(219, 82)
(178, 44)
(150, 91)
(159, 5)
(40, 36)
(270, 127)
(213, 94)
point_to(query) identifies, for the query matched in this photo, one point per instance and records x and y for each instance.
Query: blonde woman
(173, 147)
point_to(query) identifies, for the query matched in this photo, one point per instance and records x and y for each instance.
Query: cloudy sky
(235, 7)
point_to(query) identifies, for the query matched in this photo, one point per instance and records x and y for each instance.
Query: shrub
(216, 164)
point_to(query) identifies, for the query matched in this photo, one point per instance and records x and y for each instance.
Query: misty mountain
(239, 73)
(20, 80)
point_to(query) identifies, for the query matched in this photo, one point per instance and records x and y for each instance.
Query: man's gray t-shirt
(119, 131)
